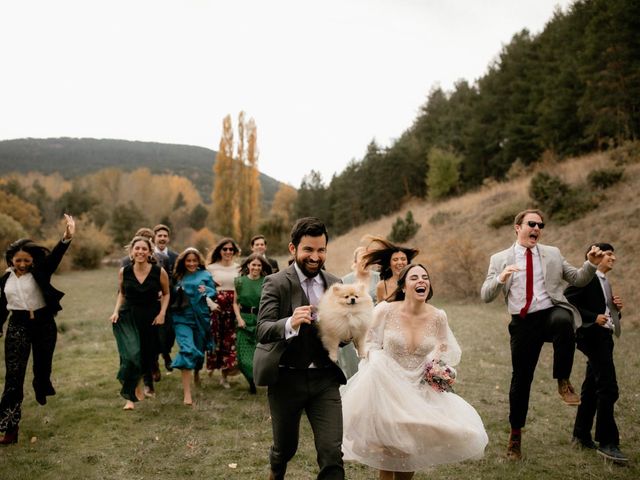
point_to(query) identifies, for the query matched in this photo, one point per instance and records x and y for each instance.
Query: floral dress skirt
(223, 333)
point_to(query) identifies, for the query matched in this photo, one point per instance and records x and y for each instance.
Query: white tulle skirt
(393, 422)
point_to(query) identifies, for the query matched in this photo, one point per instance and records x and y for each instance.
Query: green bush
(403, 230)
(444, 173)
(605, 177)
(89, 247)
(558, 199)
(505, 216)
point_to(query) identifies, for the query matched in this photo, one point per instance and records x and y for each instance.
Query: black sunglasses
(532, 224)
(228, 249)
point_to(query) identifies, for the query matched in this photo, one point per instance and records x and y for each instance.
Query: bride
(394, 420)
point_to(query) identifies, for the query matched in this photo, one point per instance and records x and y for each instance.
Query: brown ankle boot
(514, 449)
(568, 393)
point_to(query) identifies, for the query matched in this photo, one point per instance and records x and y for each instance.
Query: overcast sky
(320, 78)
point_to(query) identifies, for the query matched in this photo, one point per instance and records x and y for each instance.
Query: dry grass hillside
(456, 240)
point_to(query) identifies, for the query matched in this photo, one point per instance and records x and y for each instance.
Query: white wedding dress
(392, 421)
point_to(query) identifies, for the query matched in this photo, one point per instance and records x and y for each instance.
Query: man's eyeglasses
(532, 224)
(231, 249)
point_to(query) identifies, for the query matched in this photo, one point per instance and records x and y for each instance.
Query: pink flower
(439, 375)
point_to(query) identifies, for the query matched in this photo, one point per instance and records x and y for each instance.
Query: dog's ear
(335, 288)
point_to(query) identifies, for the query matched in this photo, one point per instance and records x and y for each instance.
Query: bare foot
(139, 394)
(149, 393)
(129, 405)
(188, 401)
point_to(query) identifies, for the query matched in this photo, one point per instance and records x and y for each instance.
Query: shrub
(403, 230)
(627, 153)
(605, 177)
(505, 215)
(10, 231)
(557, 199)
(458, 268)
(89, 246)
(203, 240)
(440, 218)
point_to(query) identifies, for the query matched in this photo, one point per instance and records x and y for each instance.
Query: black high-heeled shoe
(9, 438)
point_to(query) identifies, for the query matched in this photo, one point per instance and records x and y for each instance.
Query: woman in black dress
(27, 294)
(137, 310)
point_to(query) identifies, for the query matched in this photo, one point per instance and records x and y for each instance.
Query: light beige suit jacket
(557, 273)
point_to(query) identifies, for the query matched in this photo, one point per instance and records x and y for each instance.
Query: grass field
(83, 433)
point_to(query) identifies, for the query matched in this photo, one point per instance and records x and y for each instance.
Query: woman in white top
(222, 266)
(31, 302)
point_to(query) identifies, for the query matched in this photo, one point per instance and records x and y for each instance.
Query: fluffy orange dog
(344, 314)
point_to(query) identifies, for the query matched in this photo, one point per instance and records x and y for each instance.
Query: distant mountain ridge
(73, 157)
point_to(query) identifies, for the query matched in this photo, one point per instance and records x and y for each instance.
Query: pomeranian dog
(344, 314)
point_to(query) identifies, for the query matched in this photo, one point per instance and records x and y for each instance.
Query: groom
(291, 360)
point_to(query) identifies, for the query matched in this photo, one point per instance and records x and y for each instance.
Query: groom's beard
(309, 268)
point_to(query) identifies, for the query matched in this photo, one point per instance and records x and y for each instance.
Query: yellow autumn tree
(236, 193)
(284, 203)
(224, 207)
(252, 189)
(25, 213)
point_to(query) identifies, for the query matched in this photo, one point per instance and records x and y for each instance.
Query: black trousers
(314, 391)
(528, 335)
(23, 335)
(600, 387)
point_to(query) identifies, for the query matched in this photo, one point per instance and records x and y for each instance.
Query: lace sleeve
(447, 349)
(375, 335)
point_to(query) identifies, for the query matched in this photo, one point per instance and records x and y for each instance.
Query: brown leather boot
(514, 449)
(567, 392)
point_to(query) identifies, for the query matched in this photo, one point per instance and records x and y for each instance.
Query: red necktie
(529, 284)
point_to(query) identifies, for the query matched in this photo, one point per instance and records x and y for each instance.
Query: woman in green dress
(137, 309)
(248, 287)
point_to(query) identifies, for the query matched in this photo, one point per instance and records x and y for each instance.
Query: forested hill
(571, 89)
(73, 157)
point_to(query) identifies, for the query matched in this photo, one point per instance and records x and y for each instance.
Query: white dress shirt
(23, 293)
(518, 291)
(318, 289)
(602, 277)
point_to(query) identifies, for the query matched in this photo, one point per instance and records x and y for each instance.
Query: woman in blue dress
(193, 287)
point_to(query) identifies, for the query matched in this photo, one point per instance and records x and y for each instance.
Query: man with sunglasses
(532, 278)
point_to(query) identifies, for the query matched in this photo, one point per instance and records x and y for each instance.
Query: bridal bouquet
(439, 375)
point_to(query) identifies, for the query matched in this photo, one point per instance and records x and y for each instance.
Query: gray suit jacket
(557, 274)
(281, 295)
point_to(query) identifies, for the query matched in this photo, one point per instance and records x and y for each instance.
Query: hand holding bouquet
(439, 375)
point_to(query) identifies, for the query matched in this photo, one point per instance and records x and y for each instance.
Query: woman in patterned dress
(224, 270)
